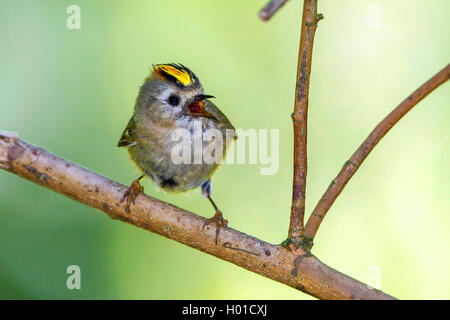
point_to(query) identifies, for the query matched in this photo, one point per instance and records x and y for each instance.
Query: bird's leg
(132, 192)
(218, 217)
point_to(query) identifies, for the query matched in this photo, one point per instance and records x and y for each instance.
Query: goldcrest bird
(172, 98)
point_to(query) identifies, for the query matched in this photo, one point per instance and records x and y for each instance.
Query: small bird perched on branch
(172, 104)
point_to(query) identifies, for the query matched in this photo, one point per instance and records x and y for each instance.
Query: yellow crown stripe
(181, 75)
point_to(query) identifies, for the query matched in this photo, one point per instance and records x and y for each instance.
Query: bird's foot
(220, 222)
(131, 194)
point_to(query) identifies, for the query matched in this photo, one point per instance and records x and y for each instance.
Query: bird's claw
(220, 222)
(131, 194)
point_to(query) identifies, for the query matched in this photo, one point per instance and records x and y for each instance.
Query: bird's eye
(174, 100)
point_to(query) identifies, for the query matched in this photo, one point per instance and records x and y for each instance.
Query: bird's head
(172, 92)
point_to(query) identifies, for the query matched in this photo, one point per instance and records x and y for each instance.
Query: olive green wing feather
(216, 113)
(128, 137)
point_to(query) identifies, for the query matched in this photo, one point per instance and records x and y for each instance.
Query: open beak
(197, 107)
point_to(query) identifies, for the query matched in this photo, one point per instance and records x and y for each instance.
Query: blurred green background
(72, 92)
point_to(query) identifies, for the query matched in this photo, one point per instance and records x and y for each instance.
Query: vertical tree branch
(350, 167)
(299, 117)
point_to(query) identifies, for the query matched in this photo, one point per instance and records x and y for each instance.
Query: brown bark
(300, 117)
(303, 272)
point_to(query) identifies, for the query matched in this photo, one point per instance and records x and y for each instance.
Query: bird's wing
(128, 137)
(221, 118)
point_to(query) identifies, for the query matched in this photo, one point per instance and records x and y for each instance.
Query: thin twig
(270, 9)
(301, 271)
(350, 167)
(300, 115)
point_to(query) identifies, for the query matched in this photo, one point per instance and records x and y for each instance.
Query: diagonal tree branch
(296, 269)
(270, 9)
(299, 118)
(350, 167)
